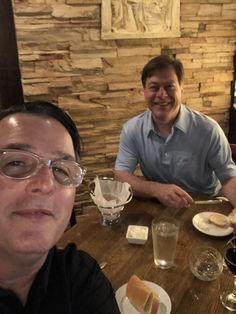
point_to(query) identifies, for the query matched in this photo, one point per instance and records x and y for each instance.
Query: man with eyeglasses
(39, 173)
(179, 150)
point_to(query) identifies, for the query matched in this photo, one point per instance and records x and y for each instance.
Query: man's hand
(232, 218)
(229, 187)
(172, 196)
(169, 195)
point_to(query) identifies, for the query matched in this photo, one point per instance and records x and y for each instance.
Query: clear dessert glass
(206, 263)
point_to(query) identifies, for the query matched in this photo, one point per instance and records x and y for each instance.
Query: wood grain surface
(188, 294)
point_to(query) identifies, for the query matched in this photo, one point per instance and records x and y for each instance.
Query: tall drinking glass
(164, 236)
(228, 298)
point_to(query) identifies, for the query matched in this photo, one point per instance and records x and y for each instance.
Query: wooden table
(188, 294)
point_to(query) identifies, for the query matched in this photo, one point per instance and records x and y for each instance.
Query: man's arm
(169, 195)
(229, 188)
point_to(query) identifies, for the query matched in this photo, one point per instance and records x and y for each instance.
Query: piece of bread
(155, 304)
(219, 220)
(141, 296)
(232, 218)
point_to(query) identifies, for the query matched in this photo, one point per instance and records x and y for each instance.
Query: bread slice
(219, 220)
(155, 304)
(232, 218)
(141, 296)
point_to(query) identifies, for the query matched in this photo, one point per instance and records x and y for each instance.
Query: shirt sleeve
(220, 156)
(127, 157)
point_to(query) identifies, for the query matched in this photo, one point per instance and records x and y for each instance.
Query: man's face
(163, 96)
(34, 212)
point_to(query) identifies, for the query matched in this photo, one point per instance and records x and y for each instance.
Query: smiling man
(39, 173)
(179, 150)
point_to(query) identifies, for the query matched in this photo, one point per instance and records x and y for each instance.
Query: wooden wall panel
(10, 81)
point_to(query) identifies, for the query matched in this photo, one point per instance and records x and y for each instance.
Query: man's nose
(161, 92)
(42, 182)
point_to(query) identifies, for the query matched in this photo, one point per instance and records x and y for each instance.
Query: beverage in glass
(164, 235)
(206, 263)
(228, 297)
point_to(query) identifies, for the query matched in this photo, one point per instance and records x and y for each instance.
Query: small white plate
(200, 222)
(127, 308)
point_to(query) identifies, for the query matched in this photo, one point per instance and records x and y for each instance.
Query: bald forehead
(22, 129)
(13, 119)
(28, 120)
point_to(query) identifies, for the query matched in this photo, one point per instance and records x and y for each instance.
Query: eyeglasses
(17, 164)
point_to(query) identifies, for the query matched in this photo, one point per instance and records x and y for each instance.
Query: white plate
(127, 308)
(200, 222)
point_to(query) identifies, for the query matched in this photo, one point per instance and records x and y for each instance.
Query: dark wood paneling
(10, 79)
(232, 114)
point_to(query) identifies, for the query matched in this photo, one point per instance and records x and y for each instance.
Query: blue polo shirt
(196, 155)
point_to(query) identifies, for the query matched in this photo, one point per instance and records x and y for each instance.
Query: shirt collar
(149, 124)
(182, 121)
(43, 275)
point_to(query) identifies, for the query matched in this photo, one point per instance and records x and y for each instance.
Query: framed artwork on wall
(140, 19)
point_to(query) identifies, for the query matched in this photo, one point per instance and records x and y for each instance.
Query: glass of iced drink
(165, 232)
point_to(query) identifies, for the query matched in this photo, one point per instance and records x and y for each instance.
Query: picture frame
(140, 19)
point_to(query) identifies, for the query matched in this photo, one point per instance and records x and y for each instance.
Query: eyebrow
(27, 147)
(161, 83)
(65, 156)
(18, 146)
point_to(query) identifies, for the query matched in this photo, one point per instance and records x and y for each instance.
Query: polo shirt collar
(149, 124)
(182, 122)
(44, 272)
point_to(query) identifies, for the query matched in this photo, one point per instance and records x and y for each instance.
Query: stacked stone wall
(63, 59)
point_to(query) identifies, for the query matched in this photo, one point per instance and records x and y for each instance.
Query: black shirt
(70, 282)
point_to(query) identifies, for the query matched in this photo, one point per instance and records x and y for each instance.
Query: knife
(102, 265)
(209, 201)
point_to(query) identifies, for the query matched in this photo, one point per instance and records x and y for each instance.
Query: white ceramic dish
(127, 308)
(137, 234)
(200, 222)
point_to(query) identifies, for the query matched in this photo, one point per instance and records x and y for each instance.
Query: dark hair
(47, 109)
(160, 63)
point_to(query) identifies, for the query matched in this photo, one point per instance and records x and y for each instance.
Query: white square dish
(137, 234)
